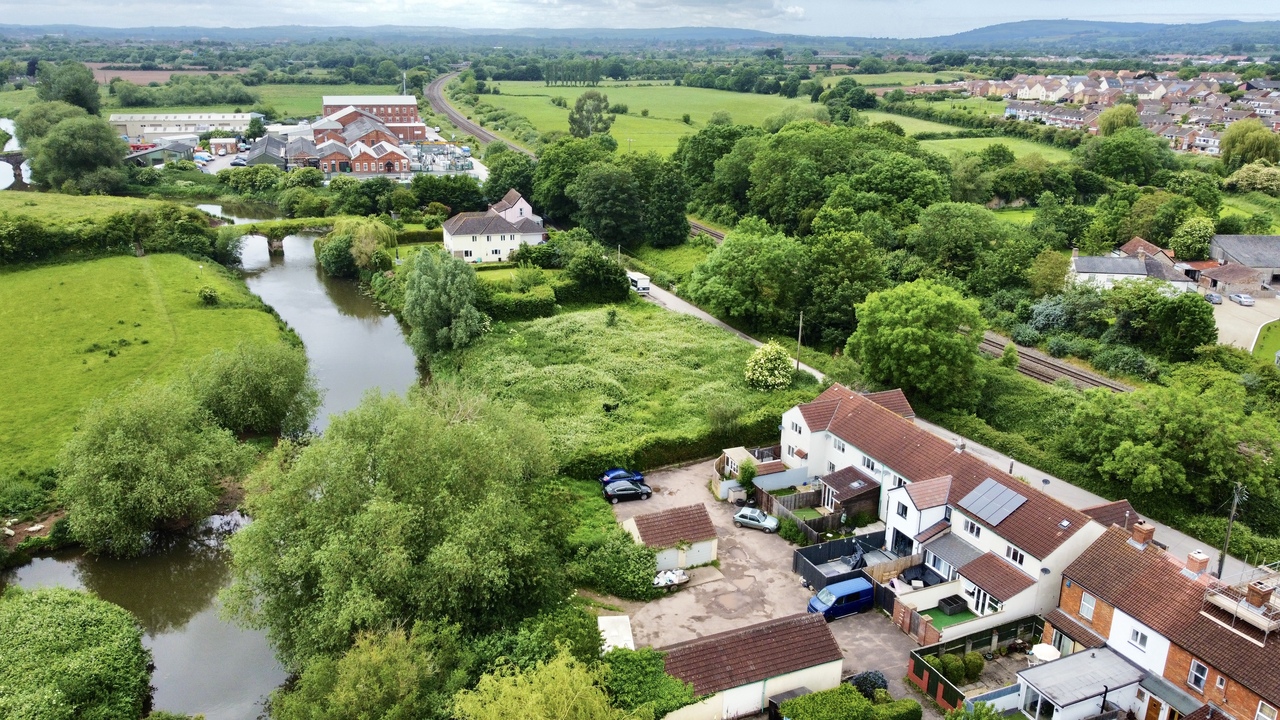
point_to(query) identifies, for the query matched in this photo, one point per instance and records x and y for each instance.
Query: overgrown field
(76, 333)
(1019, 146)
(897, 78)
(1252, 204)
(666, 104)
(14, 100)
(910, 124)
(650, 387)
(55, 208)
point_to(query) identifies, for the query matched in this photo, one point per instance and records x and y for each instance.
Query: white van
(639, 283)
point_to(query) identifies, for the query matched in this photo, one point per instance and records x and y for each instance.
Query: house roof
(954, 550)
(667, 528)
(1119, 513)
(1082, 676)
(757, 652)
(508, 201)
(1232, 274)
(1255, 251)
(331, 100)
(1163, 271)
(894, 400)
(929, 493)
(479, 223)
(997, 576)
(918, 455)
(1107, 265)
(933, 530)
(1124, 575)
(1068, 625)
(850, 482)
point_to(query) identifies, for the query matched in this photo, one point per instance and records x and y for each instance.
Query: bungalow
(1105, 271)
(683, 537)
(735, 672)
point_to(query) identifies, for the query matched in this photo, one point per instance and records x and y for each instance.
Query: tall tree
(755, 275)
(1248, 141)
(843, 268)
(664, 198)
(439, 304)
(590, 115)
(71, 82)
(73, 149)
(1048, 272)
(1191, 240)
(36, 120)
(1130, 155)
(922, 337)
(609, 204)
(558, 166)
(951, 236)
(1118, 118)
(510, 171)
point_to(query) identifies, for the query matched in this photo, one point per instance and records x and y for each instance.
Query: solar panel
(992, 502)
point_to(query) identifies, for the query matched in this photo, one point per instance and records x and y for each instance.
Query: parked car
(222, 151)
(615, 474)
(1213, 298)
(755, 518)
(1241, 299)
(843, 598)
(238, 162)
(616, 492)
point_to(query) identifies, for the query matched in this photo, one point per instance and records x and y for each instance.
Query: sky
(874, 18)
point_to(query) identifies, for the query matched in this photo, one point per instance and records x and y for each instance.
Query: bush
(840, 703)
(208, 295)
(1059, 346)
(618, 566)
(539, 301)
(638, 678)
(973, 665)
(953, 668)
(1124, 360)
(868, 682)
(411, 237)
(905, 709)
(334, 256)
(257, 388)
(769, 367)
(1025, 335)
(789, 531)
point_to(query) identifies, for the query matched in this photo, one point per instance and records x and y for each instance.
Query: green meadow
(1019, 147)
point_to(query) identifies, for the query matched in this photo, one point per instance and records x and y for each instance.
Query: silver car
(1242, 299)
(755, 518)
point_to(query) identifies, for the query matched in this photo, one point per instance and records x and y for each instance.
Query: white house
(735, 672)
(493, 235)
(683, 537)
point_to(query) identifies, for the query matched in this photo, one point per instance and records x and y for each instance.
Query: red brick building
(397, 112)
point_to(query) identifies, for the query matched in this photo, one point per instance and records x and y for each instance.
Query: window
(488, 238)
(902, 510)
(1014, 554)
(1265, 712)
(831, 467)
(946, 512)
(869, 464)
(466, 253)
(1087, 602)
(795, 428)
(1139, 638)
(1222, 683)
(972, 528)
(791, 450)
(899, 482)
(1197, 676)
(839, 444)
(497, 251)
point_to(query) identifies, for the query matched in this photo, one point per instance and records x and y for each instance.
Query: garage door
(745, 700)
(699, 554)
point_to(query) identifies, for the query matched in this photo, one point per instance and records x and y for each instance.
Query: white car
(1241, 299)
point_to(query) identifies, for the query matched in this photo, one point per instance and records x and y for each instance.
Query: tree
(73, 149)
(609, 204)
(840, 703)
(1048, 273)
(558, 166)
(510, 171)
(36, 120)
(1191, 240)
(596, 276)
(1130, 155)
(638, 679)
(951, 236)
(590, 115)
(460, 193)
(922, 337)
(140, 462)
(73, 656)
(664, 198)
(258, 388)
(71, 82)
(1118, 118)
(1186, 323)
(1203, 188)
(365, 237)
(842, 269)
(755, 275)
(561, 689)
(439, 303)
(1249, 141)
(769, 367)
(256, 129)
(980, 711)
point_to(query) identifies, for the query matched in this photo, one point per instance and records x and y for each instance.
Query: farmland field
(76, 333)
(288, 100)
(142, 77)
(57, 208)
(1019, 147)
(665, 103)
(910, 124)
(896, 78)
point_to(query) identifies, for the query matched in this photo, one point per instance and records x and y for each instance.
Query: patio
(942, 620)
(1001, 671)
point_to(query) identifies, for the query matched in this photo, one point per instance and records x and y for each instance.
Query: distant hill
(1072, 37)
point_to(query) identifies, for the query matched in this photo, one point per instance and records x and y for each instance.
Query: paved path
(1238, 325)
(1179, 543)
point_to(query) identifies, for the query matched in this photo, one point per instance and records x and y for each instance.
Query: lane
(435, 96)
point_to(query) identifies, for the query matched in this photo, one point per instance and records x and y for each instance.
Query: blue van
(842, 598)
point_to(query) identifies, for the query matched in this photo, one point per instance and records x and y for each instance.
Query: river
(6, 170)
(203, 663)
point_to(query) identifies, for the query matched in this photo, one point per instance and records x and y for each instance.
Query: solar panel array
(992, 502)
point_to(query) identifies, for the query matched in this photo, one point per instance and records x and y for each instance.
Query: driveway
(1238, 325)
(753, 584)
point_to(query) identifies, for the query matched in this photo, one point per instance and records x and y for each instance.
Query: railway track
(435, 95)
(697, 228)
(1045, 369)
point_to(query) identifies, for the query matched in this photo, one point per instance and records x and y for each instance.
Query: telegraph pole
(799, 332)
(1239, 494)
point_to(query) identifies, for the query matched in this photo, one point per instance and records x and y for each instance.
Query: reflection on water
(203, 664)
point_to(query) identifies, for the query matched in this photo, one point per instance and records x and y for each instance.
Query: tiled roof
(667, 528)
(508, 201)
(363, 127)
(951, 548)
(769, 467)
(1233, 273)
(1119, 513)
(933, 530)
(1255, 251)
(894, 400)
(918, 455)
(998, 577)
(1107, 265)
(1126, 577)
(929, 493)
(843, 481)
(758, 652)
(1073, 629)
(479, 223)
(330, 100)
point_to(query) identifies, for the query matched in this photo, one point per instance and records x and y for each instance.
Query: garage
(683, 536)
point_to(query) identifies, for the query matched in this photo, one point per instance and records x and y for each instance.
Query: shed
(737, 671)
(683, 537)
(1259, 252)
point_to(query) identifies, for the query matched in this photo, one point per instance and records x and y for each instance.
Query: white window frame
(1014, 554)
(1139, 639)
(791, 450)
(795, 428)
(972, 528)
(868, 463)
(1203, 674)
(1263, 714)
(1092, 603)
(838, 444)
(831, 467)
(902, 510)
(466, 253)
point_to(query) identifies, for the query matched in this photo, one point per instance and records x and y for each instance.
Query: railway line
(435, 95)
(697, 228)
(1041, 367)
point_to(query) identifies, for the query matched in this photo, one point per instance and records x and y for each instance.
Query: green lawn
(1017, 216)
(54, 207)
(1252, 204)
(896, 78)
(507, 273)
(910, 124)
(288, 100)
(942, 620)
(973, 105)
(1019, 147)
(666, 104)
(14, 100)
(61, 325)
(676, 261)
(806, 513)
(1268, 342)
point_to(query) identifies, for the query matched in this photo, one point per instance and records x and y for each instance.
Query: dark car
(1213, 298)
(238, 162)
(616, 492)
(613, 475)
(842, 598)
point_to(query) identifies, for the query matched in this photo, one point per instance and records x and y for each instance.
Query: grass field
(1019, 216)
(896, 78)
(76, 333)
(288, 100)
(973, 105)
(1268, 341)
(910, 124)
(661, 130)
(57, 208)
(1019, 147)
(676, 261)
(1252, 204)
(14, 100)
(503, 274)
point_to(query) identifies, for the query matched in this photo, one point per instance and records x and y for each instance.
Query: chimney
(959, 445)
(1197, 562)
(1257, 594)
(1143, 532)
(1142, 253)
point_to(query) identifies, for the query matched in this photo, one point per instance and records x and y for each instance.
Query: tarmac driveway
(1238, 325)
(754, 583)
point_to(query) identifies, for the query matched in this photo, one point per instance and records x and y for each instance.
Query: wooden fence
(784, 506)
(882, 573)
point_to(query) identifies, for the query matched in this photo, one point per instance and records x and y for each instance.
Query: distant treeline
(184, 90)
